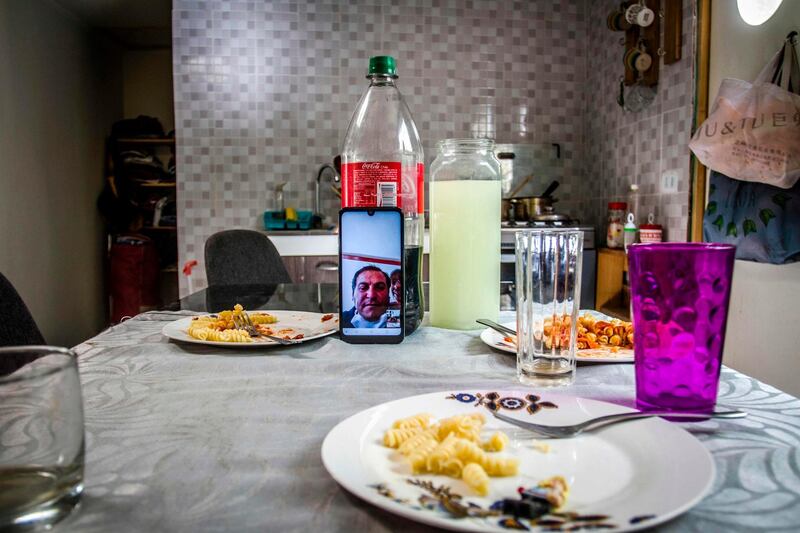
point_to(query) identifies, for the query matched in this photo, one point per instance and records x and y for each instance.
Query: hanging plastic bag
(753, 130)
(761, 220)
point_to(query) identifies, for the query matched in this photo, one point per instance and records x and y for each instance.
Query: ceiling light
(757, 12)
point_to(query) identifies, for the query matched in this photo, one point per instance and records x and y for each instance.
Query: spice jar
(650, 232)
(616, 215)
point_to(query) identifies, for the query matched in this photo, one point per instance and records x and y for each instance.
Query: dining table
(188, 437)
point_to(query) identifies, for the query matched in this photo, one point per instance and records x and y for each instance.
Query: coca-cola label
(378, 184)
(371, 184)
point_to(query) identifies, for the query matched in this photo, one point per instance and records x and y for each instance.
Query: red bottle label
(371, 184)
(378, 183)
(420, 188)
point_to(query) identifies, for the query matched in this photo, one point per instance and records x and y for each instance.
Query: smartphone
(371, 275)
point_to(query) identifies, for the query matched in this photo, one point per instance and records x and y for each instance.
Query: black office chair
(17, 326)
(242, 257)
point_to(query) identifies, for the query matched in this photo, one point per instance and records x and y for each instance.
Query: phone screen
(371, 274)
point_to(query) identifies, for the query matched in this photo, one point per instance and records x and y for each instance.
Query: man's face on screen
(371, 295)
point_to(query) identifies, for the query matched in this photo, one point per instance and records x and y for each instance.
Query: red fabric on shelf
(134, 278)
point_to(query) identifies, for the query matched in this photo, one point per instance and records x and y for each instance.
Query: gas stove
(508, 228)
(508, 257)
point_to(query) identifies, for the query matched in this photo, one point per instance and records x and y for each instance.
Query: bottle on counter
(465, 192)
(616, 214)
(629, 232)
(633, 203)
(383, 165)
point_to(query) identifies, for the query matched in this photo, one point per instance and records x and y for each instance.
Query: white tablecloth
(193, 438)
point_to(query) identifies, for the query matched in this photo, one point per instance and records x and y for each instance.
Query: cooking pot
(530, 207)
(527, 207)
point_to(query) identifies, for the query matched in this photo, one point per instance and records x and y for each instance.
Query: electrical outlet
(669, 181)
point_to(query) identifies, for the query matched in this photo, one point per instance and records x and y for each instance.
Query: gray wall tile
(264, 91)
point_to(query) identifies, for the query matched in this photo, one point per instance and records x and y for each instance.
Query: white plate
(309, 324)
(638, 474)
(598, 355)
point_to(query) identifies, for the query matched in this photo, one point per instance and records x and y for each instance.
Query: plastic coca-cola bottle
(383, 165)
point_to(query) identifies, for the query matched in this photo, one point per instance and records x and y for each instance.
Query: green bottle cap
(382, 65)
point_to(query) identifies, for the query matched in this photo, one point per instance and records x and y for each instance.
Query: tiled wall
(264, 91)
(624, 147)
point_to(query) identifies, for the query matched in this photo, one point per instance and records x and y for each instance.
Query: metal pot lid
(534, 199)
(550, 217)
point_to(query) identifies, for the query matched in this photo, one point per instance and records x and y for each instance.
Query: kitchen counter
(314, 242)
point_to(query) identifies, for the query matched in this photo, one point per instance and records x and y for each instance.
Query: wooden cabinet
(324, 268)
(294, 265)
(313, 268)
(138, 203)
(613, 294)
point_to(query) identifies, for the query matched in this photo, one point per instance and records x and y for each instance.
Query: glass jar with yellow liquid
(465, 233)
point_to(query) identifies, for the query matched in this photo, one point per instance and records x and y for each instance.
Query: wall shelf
(135, 191)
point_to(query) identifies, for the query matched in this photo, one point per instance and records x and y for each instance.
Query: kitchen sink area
(301, 232)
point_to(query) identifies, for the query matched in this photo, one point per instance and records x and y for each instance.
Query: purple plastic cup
(679, 296)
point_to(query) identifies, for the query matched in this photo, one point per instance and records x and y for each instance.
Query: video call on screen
(372, 284)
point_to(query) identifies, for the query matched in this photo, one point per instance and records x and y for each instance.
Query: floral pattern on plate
(494, 401)
(528, 511)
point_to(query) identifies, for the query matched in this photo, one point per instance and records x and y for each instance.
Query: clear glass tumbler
(679, 296)
(41, 436)
(548, 278)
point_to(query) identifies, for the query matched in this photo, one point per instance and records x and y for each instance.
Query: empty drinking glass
(548, 278)
(41, 436)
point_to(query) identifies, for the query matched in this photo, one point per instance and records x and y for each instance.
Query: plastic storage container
(276, 221)
(615, 227)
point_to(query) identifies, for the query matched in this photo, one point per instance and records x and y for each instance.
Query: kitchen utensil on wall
(616, 21)
(639, 15)
(521, 184)
(548, 192)
(637, 58)
(520, 160)
(642, 22)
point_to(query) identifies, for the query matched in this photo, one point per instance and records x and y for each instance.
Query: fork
(508, 332)
(244, 322)
(561, 432)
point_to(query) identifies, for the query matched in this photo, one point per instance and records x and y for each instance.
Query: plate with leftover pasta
(442, 459)
(220, 329)
(601, 339)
